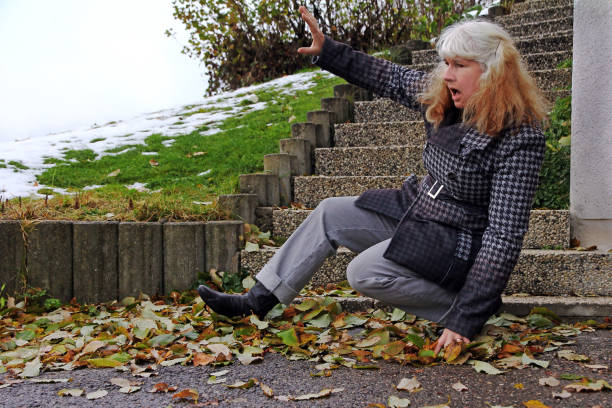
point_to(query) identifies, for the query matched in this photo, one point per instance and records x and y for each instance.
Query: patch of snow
(92, 187)
(31, 151)
(205, 172)
(149, 153)
(138, 187)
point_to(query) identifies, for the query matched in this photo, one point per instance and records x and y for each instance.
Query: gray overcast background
(65, 64)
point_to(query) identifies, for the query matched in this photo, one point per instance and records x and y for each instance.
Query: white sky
(70, 63)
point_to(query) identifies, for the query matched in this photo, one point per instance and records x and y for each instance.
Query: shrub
(555, 175)
(242, 42)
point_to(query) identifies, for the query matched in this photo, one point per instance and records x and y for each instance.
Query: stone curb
(562, 306)
(379, 134)
(539, 272)
(518, 30)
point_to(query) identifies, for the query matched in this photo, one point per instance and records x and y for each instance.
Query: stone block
(49, 258)
(284, 166)
(307, 131)
(352, 92)
(303, 152)
(184, 254)
(341, 107)
(223, 242)
(140, 259)
(12, 256)
(264, 185)
(95, 262)
(325, 119)
(240, 205)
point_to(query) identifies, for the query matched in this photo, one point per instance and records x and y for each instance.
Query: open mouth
(454, 91)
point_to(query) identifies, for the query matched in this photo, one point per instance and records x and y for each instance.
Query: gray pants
(339, 222)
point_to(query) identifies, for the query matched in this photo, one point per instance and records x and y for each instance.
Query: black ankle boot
(259, 300)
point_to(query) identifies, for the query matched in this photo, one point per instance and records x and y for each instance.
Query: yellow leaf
(534, 404)
(519, 386)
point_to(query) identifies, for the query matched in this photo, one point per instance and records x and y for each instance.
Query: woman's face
(461, 77)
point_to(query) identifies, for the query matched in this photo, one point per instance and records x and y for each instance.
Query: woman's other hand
(317, 35)
(449, 337)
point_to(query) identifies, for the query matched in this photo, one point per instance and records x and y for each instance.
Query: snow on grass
(19, 179)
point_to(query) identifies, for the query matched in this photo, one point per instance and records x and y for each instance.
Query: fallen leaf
(31, 369)
(563, 394)
(586, 385)
(458, 386)
(596, 366)
(129, 389)
(163, 387)
(397, 402)
(103, 362)
(96, 394)
(202, 359)
(247, 358)
(244, 384)
(70, 392)
(570, 355)
(172, 362)
(321, 394)
(481, 366)
(410, 385)
(289, 337)
(93, 346)
(368, 342)
(519, 386)
(187, 394)
(268, 392)
(114, 173)
(218, 348)
(153, 162)
(49, 380)
(534, 404)
(550, 381)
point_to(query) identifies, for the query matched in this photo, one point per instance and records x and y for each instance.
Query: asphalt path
(360, 387)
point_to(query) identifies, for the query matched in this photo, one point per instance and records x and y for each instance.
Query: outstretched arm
(380, 76)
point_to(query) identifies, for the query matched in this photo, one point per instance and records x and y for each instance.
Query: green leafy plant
(553, 192)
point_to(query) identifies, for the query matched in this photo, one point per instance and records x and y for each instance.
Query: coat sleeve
(514, 185)
(380, 76)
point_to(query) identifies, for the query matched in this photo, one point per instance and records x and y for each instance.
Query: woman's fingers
(317, 35)
(449, 337)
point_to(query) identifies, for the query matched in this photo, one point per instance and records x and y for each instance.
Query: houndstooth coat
(468, 237)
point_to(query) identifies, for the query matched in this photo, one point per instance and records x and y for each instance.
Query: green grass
(237, 149)
(18, 165)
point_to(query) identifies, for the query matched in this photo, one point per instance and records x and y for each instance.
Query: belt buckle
(434, 195)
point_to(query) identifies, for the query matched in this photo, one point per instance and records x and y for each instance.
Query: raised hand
(317, 35)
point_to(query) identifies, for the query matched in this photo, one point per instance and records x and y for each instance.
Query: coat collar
(453, 137)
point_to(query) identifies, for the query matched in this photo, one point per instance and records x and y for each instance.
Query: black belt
(437, 191)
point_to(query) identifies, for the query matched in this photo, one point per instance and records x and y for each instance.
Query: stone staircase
(377, 143)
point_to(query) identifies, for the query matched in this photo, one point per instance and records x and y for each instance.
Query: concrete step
(379, 133)
(547, 228)
(535, 44)
(310, 191)
(369, 161)
(535, 16)
(518, 30)
(590, 307)
(520, 7)
(538, 272)
(535, 62)
(385, 110)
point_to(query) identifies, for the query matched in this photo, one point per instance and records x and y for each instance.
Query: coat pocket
(438, 252)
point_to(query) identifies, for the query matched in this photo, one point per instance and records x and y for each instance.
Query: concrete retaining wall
(102, 261)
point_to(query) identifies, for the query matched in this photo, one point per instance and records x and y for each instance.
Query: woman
(442, 249)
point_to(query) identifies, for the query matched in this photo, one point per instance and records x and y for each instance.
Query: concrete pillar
(223, 242)
(307, 131)
(324, 118)
(12, 256)
(302, 150)
(340, 106)
(49, 258)
(184, 254)
(591, 151)
(264, 185)
(241, 205)
(351, 92)
(283, 166)
(140, 259)
(94, 262)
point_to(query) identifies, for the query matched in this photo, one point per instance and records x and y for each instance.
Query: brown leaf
(550, 381)
(163, 387)
(202, 359)
(93, 346)
(452, 351)
(187, 394)
(153, 162)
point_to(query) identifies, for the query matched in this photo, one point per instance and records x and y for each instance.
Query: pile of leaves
(139, 335)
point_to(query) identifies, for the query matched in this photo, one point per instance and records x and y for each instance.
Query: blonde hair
(507, 95)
